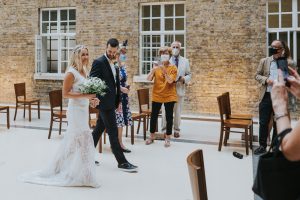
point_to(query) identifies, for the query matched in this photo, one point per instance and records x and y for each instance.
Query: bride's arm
(67, 87)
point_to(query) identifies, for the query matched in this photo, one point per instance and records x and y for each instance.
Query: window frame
(162, 32)
(38, 45)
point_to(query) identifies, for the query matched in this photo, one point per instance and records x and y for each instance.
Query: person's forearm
(169, 79)
(150, 75)
(283, 123)
(291, 144)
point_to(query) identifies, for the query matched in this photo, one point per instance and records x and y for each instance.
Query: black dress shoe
(97, 163)
(127, 167)
(126, 150)
(260, 150)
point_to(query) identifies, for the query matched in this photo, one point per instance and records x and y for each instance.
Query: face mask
(272, 51)
(123, 57)
(164, 58)
(175, 51)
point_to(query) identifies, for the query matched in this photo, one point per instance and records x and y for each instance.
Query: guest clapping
(164, 92)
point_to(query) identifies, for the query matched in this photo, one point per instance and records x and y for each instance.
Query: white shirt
(273, 73)
(112, 66)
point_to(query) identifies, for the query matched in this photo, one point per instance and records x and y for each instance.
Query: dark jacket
(101, 69)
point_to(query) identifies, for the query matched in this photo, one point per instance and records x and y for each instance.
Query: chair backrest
(20, 90)
(196, 169)
(227, 102)
(55, 97)
(143, 97)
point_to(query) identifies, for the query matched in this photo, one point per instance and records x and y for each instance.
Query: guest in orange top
(164, 92)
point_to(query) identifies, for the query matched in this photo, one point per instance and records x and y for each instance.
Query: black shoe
(126, 150)
(127, 167)
(97, 163)
(260, 150)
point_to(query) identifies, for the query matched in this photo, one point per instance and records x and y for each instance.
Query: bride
(74, 163)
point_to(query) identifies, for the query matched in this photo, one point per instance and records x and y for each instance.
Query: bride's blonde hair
(75, 59)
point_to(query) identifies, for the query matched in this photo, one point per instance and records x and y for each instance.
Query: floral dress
(124, 117)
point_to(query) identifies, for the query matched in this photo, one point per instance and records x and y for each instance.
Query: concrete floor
(163, 173)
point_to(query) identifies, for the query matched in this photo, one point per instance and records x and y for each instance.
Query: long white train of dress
(74, 162)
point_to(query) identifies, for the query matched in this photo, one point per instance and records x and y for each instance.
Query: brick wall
(225, 40)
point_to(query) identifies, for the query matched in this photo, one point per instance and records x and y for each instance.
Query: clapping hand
(294, 81)
(279, 94)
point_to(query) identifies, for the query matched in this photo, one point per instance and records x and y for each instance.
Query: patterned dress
(124, 117)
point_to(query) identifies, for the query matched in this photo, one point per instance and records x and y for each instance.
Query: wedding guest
(164, 92)
(183, 77)
(123, 116)
(290, 145)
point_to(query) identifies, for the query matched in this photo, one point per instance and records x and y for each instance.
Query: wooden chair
(144, 105)
(137, 117)
(196, 169)
(93, 122)
(228, 123)
(235, 116)
(5, 109)
(21, 99)
(57, 113)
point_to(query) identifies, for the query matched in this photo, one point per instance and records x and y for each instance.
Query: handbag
(277, 178)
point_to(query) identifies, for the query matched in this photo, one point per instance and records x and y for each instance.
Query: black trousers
(107, 119)
(265, 114)
(169, 106)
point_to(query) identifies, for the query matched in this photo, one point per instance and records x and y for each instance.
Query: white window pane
(179, 10)
(169, 9)
(286, 6)
(156, 11)
(272, 37)
(273, 21)
(72, 27)
(146, 67)
(64, 55)
(45, 15)
(180, 38)
(72, 42)
(45, 27)
(182, 52)
(155, 55)
(155, 24)
(146, 55)
(156, 41)
(53, 15)
(169, 24)
(64, 66)
(283, 36)
(146, 11)
(64, 15)
(168, 40)
(64, 42)
(64, 27)
(52, 66)
(273, 7)
(146, 24)
(286, 20)
(72, 14)
(53, 27)
(179, 24)
(146, 41)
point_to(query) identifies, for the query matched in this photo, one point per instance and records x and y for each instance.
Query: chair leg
(131, 133)
(7, 116)
(100, 144)
(227, 132)
(24, 111)
(148, 122)
(144, 128)
(50, 129)
(247, 141)
(221, 138)
(60, 123)
(16, 112)
(251, 136)
(39, 110)
(138, 128)
(29, 111)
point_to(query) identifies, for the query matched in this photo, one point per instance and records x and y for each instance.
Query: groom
(103, 68)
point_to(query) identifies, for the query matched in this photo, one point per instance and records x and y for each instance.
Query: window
(56, 40)
(160, 25)
(283, 23)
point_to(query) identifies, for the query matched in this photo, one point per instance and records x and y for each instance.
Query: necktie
(176, 61)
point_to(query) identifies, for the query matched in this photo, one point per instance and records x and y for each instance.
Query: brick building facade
(224, 41)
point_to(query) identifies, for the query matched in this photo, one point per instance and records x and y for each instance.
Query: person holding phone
(123, 116)
(266, 73)
(164, 92)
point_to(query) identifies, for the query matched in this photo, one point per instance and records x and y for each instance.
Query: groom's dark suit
(108, 103)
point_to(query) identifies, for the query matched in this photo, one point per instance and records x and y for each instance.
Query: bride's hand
(90, 96)
(94, 102)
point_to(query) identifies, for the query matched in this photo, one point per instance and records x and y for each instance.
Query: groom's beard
(111, 57)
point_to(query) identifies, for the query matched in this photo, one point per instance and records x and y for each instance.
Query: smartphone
(283, 65)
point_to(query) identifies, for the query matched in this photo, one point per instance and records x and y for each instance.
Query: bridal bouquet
(93, 85)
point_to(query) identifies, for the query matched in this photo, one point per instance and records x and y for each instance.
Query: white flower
(93, 85)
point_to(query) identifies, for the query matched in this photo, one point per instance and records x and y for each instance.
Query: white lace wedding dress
(74, 162)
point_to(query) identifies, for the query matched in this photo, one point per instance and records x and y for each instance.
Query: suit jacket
(262, 74)
(101, 69)
(183, 71)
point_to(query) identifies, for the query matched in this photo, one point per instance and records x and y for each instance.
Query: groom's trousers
(107, 119)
